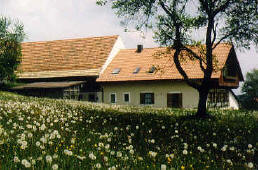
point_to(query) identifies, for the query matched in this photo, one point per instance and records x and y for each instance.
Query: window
(229, 74)
(116, 71)
(113, 97)
(174, 100)
(218, 98)
(147, 98)
(126, 97)
(152, 69)
(92, 97)
(72, 93)
(137, 70)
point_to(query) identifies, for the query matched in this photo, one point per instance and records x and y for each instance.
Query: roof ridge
(225, 43)
(70, 39)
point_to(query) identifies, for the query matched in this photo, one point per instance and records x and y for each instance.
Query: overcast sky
(61, 19)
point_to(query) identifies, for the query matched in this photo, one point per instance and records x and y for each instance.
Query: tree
(173, 20)
(11, 35)
(249, 100)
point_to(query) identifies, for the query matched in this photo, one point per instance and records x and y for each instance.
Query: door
(174, 100)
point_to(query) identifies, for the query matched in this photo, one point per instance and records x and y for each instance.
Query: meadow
(60, 134)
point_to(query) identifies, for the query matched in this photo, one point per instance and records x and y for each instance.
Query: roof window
(152, 69)
(116, 71)
(137, 70)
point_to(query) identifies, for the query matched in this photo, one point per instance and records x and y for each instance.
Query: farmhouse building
(66, 68)
(149, 77)
(100, 69)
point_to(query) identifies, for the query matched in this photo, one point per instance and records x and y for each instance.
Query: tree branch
(195, 56)
(222, 7)
(182, 72)
(214, 34)
(223, 38)
(165, 8)
(178, 45)
(205, 5)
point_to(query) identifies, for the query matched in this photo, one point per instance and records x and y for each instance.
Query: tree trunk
(202, 110)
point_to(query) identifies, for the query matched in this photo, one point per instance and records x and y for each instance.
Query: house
(66, 68)
(100, 69)
(149, 77)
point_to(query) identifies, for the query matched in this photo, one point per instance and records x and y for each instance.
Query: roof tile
(64, 55)
(128, 60)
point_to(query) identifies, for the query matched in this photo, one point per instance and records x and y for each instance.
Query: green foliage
(43, 134)
(11, 35)
(235, 21)
(249, 100)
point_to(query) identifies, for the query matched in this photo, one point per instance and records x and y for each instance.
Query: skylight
(116, 71)
(137, 70)
(152, 69)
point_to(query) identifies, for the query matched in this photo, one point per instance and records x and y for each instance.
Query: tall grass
(58, 134)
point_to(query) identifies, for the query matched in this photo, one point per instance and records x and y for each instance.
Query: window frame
(129, 97)
(180, 101)
(137, 70)
(152, 99)
(218, 98)
(152, 70)
(110, 98)
(116, 71)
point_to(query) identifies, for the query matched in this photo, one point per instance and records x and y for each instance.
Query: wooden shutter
(142, 95)
(180, 99)
(175, 100)
(152, 98)
(169, 100)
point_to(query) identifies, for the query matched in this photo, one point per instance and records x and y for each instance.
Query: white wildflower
(16, 159)
(119, 154)
(55, 167)
(250, 146)
(92, 156)
(131, 151)
(49, 159)
(185, 152)
(250, 165)
(152, 154)
(163, 167)
(98, 165)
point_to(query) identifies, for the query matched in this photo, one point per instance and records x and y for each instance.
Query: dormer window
(116, 71)
(137, 70)
(152, 69)
(229, 73)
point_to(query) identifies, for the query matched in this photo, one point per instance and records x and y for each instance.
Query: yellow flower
(169, 159)
(182, 167)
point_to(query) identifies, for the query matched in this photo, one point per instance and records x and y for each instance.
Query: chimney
(139, 48)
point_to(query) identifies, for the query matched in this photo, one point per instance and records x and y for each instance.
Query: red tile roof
(128, 60)
(66, 55)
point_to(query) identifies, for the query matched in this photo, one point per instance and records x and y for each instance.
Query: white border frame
(147, 92)
(176, 92)
(129, 97)
(110, 98)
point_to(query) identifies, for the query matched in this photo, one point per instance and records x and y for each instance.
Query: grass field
(58, 134)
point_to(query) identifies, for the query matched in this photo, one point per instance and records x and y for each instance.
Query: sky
(45, 20)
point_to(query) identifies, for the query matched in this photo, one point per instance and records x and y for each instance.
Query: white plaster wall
(233, 103)
(159, 88)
